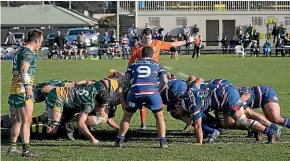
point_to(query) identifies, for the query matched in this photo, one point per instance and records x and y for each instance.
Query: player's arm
(112, 123)
(164, 80)
(120, 94)
(84, 129)
(47, 88)
(25, 78)
(197, 118)
(133, 56)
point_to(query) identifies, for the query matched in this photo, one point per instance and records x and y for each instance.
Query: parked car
(19, 36)
(91, 35)
(50, 39)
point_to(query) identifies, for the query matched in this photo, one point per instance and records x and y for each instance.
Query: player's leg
(133, 104)
(271, 108)
(154, 103)
(25, 114)
(197, 51)
(15, 131)
(234, 107)
(143, 113)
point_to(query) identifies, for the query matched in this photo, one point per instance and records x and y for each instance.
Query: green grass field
(232, 145)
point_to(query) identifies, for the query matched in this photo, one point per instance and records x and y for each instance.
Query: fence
(206, 5)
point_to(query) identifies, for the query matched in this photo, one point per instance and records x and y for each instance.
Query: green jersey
(82, 97)
(23, 54)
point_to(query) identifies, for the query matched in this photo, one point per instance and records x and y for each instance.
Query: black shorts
(81, 46)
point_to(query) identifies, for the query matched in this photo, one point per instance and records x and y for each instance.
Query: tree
(108, 22)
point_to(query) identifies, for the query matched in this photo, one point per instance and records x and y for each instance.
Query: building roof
(43, 15)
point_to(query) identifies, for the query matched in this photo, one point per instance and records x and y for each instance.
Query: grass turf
(232, 145)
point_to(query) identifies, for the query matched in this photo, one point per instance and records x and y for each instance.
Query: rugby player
(21, 94)
(157, 45)
(228, 99)
(144, 89)
(85, 98)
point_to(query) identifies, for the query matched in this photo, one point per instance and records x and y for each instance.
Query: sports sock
(274, 127)
(268, 131)
(162, 140)
(143, 115)
(12, 144)
(25, 147)
(120, 139)
(38, 128)
(286, 122)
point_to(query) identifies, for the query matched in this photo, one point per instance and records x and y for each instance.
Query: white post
(69, 6)
(136, 14)
(118, 20)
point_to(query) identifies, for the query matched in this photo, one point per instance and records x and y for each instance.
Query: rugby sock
(25, 147)
(206, 129)
(162, 140)
(274, 127)
(38, 128)
(36, 120)
(75, 124)
(286, 122)
(143, 115)
(268, 131)
(120, 139)
(12, 144)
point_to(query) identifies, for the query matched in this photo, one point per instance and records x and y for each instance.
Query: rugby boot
(29, 154)
(163, 145)
(212, 137)
(70, 131)
(13, 151)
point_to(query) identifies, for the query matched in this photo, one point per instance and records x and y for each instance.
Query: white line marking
(182, 74)
(166, 67)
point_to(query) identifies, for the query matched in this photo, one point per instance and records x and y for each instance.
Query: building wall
(168, 20)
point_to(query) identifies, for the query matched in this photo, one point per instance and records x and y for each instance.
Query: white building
(214, 18)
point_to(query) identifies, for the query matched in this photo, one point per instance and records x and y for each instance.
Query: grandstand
(214, 18)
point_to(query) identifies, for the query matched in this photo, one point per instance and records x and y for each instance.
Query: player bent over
(21, 94)
(84, 98)
(144, 89)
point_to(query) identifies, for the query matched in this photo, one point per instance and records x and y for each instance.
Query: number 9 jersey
(144, 89)
(145, 73)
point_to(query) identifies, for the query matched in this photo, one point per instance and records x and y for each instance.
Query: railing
(206, 5)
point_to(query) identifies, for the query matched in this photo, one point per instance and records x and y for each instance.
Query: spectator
(54, 50)
(282, 32)
(10, 39)
(287, 39)
(267, 48)
(225, 45)
(240, 31)
(186, 32)
(131, 28)
(113, 35)
(233, 44)
(247, 40)
(256, 36)
(279, 47)
(156, 35)
(255, 48)
(168, 37)
(131, 39)
(250, 29)
(81, 39)
(275, 33)
(116, 50)
(195, 29)
(179, 38)
(59, 40)
(197, 43)
(160, 30)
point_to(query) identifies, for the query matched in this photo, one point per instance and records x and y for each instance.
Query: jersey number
(143, 71)
(82, 92)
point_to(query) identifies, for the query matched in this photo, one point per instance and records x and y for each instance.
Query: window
(181, 21)
(154, 21)
(257, 21)
(287, 21)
